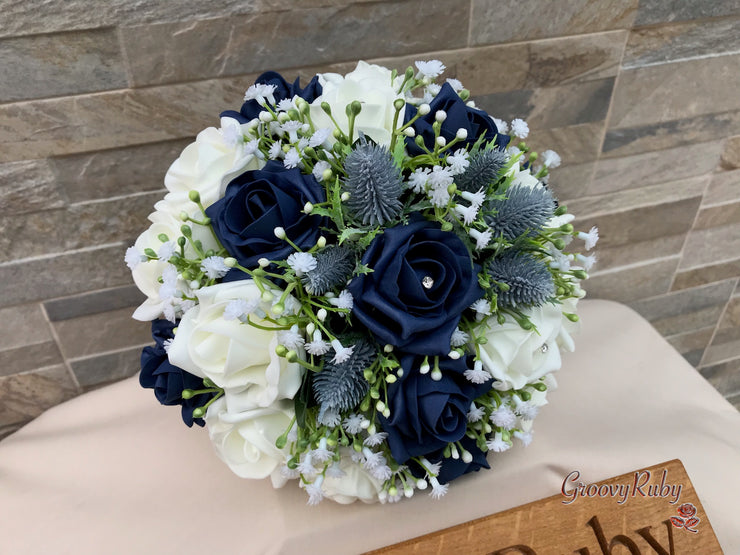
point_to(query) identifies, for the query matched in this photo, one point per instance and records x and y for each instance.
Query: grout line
(111, 352)
(125, 57)
(634, 265)
(716, 328)
(608, 116)
(117, 197)
(41, 257)
(58, 342)
(470, 23)
(688, 233)
(250, 75)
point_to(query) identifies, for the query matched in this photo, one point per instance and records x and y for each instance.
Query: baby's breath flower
(133, 257)
(353, 423)
(497, 444)
(214, 267)
(520, 128)
(458, 162)
(477, 374)
(503, 417)
(418, 180)
(292, 159)
(475, 414)
(301, 262)
(456, 85)
(551, 159)
(459, 338)
(276, 150)
(590, 238)
(262, 93)
(431, 69)
(319, 168)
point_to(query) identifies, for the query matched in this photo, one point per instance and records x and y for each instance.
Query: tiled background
(97, 99)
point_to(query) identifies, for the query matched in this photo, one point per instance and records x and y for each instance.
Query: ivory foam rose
(233, 354)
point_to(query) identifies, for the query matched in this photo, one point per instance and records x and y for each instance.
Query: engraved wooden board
(648, 511)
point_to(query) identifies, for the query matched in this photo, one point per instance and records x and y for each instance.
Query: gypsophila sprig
(361, 285)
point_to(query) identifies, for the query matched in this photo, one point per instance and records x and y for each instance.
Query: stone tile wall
(640, 98)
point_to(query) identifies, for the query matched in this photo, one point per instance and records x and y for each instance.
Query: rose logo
(686, 520)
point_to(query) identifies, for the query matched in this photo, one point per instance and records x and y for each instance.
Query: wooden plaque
(648, 511)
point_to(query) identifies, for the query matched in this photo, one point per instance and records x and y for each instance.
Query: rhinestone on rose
(544, 348)
(427, 282)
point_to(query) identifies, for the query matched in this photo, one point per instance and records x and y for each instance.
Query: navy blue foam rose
(251, 108)
(257, 202)
(167, 380)
(422, 280)
(427, 414)
(459, 116)
(454, 468)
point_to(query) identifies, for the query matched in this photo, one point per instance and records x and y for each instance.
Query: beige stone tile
(78, 226)
(571, 181)
(669, 134)
(718, 215)
(677, 90)
(639, 224)
(26, 342)
(638, 281)
(706, 247)
(23, 18)
(29, 357)
(706, 274)
(528, 65)
(650, 195)
(60, 64)
(726, 342)
(730, 159)
(97, 333)
(692, 343)
(27, 186)
(118, 172)
(612, 255)
(724, 187)
(69, 125)
(93, 302)
(73, 272)
(506, 20)
(687, 310)
(681, 41)
(189, 50)
(659, 11)
(23, 325)
(105, 368)
(725, 377)
(575, 144)
(639, 234)
(25, 396)
(734, 400)
(545, 108)
(649, 168)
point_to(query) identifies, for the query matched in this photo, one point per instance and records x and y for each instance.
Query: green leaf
(363, 269)
(399, 152)
(349, 233)
(366, 239)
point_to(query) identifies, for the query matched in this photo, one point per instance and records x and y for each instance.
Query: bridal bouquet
(362, 285)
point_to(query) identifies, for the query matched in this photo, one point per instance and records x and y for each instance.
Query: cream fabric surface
(114, 472)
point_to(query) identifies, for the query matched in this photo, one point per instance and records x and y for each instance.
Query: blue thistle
(341, 387)
(374, 183)
(523, 210)
(529, 280)
(483, 170)
(334, 266)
